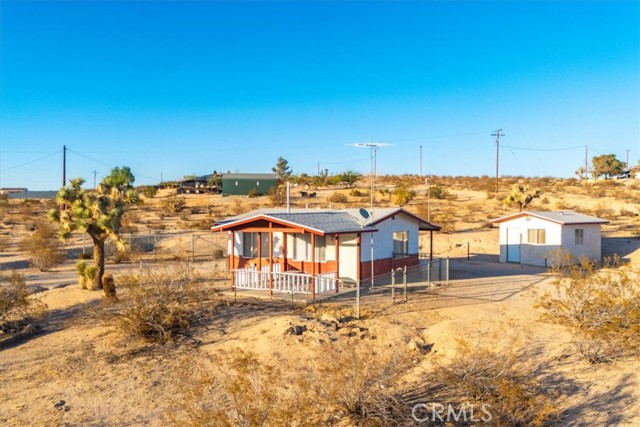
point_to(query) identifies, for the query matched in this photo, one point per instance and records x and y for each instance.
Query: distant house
(9, 190)
(196, 184)
(312, 250)
(243, 184)
(531, 237)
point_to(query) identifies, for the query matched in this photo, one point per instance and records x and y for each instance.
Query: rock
(295, 330)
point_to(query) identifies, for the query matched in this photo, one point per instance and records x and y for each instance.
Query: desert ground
(78, 369)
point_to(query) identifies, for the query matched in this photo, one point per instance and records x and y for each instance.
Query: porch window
(400, 244)
(299, 247)
(579, 236)
(321, 248)
(537, 236)
(250, 245)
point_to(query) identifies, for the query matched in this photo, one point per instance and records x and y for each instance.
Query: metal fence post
(393, 286)
(429, 274)
(404, 280)
(447, 271)
(193, 246)
(358, 298)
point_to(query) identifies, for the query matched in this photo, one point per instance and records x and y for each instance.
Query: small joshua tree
(519, 197)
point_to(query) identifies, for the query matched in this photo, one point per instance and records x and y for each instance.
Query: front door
(513, 245)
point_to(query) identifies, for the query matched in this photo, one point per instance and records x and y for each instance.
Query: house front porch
(295, 282)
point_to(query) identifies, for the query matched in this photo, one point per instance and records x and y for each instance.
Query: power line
(542, 149)
(107, 164)
(30, 162)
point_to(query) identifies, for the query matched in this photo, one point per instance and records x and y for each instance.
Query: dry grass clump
(339, 198)
(43, 247)
(601, 306)
(17, 309)
(157, 307)
(501, 386)
(342, 385)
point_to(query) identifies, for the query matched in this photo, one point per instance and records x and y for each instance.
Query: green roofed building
(242, 184)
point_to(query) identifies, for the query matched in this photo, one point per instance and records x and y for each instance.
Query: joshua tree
(519, 197)
(98, 213)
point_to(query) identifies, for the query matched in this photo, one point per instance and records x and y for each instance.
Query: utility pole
(498, 134)
(628, 167)
(64, 165)
(421, 163)
(586, 162)
(94, 178)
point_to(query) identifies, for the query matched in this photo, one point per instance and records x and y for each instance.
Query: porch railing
(288, 282)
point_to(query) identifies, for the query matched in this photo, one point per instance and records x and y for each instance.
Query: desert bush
(150, 191)
(239, 391)
(252, 193)
(357, 193)
(158, 307)
(277, 195)
(338, 198)
(173, 204)
(43, 248)
(562, 204)
(603, 210)
(503, 383)
(17, 309)
(627, 212)
(402, 195)
(356, 385)
(437, 192)
(602, 307)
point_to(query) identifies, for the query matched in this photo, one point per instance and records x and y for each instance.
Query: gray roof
(249, 176)
(326, 220)
(560, 217)
(33, 195)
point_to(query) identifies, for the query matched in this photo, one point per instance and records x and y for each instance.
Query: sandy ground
(79, 372)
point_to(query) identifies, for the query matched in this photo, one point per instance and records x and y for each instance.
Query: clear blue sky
(176, 88)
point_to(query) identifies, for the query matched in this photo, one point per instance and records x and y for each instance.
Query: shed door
(513, 245)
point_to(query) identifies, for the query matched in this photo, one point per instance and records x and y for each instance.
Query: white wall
(383, 238)
(557, 237)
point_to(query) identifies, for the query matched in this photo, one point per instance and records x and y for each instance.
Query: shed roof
(249, 176)
(322, 221)
(559, 217)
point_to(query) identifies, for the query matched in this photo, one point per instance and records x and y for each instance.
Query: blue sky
(175, 88)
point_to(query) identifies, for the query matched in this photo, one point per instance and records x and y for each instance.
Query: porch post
(312, 282)
(358, 255)
(232, 258)
(259, 251)
(270, 258)
(337, 245)
(284, 252)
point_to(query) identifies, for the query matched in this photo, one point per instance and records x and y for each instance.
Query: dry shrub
(173, 204)
(601, 306)
(403, 195)
(239, 391)
(43, 247)
(157, 307)
(501, 382)
(17, 309)
(338, 198)
(603, 210)
(341, 385)
(356, 383)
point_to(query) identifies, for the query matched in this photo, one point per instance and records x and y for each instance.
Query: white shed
(532, 237)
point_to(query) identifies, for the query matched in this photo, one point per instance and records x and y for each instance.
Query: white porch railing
(288, 282)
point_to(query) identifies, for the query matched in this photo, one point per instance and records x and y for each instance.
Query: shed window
(299, 247)
(579, 236)
(537, 236)
(250, 243)
(400, 243)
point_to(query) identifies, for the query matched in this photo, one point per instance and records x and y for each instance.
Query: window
(299, 247)
(537, 236)
(579, 236)
(250, 245)
(400, 243)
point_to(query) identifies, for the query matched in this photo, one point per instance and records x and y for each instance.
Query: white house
(312, 250)
(533, 237)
